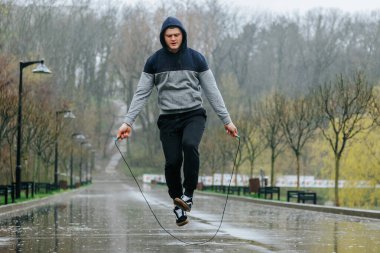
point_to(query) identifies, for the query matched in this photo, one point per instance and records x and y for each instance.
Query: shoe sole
(181, 204)
(182, 223)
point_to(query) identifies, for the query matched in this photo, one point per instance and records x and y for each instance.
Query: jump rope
(158, 221)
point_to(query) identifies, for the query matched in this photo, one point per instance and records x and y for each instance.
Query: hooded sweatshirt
(179, 79)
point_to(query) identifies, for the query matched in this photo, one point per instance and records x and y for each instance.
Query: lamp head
(41, 69)
(69, 114)
(79, 137)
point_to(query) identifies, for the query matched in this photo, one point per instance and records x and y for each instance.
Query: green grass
(39, 195)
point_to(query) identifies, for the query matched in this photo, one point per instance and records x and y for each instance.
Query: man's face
(173, 39)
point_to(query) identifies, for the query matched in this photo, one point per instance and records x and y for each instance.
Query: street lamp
(81, 161)
(92, 164)
(79, 137)
(42, 69)
(88, 146)
(66, 114)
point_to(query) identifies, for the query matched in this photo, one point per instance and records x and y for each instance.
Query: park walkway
(111, 216)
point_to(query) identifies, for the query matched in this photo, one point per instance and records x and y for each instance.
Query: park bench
(293, 194)
(5, 190)
(26, 186)
(234, 189)
(305, 196)
(223, 188)
(269, 190)
(43, 187)
(220, 188)
(239, 190)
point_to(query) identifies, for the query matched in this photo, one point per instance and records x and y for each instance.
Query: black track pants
(180, 136)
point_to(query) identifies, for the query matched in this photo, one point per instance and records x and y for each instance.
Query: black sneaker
(181, 218)
(184, 203)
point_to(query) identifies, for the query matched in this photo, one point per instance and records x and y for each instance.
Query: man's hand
(231, 129)
(124, 131)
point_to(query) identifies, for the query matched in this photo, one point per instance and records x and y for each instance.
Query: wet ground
(112, 216)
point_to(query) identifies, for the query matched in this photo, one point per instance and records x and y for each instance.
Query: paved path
(112, 216)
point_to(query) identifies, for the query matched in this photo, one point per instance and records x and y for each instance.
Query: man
(179, 74)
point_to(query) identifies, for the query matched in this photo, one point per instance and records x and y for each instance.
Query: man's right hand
(124, 131)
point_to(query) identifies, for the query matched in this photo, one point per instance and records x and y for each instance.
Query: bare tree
(45, 139)
(253, 142)
(270, 127)
(345, 105)
(298, 122)
(8, 106)
(323, 35)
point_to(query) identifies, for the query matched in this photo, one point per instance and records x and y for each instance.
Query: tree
(253, 141)
(323, 33)
(298, 122)
(270, 127)
(345, 106)
(8, 110)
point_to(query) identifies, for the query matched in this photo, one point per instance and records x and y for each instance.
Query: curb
(318, 208)
(11, 210)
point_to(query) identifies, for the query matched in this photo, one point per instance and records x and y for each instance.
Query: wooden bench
(269, 190)
(239, 190)
(293, 194)
(223, 188)
(305, 196)
(5, 190)
(43, 187)
(26, 186)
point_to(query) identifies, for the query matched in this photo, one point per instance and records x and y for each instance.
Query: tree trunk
(298, 171)
(337, 165)
(252, 167)
(272, 169)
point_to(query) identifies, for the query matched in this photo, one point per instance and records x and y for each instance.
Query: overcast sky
(281, 6)
(304, 5)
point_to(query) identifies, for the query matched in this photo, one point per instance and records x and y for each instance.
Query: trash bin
(254, 185)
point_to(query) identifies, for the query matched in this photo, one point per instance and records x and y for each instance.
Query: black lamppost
(67, 114)
(88, 146)
(92, 164)
(81, 161)
(79, 137)
(41, 68)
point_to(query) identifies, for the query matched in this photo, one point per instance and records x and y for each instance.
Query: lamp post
(41, 68)
(92, 164)
(88, 146)
(66, 114)
(79, 137)
(81, 161)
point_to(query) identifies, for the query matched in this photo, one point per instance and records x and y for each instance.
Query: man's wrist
(129, 125)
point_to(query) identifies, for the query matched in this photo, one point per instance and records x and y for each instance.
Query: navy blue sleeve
(201, 62)
(148, 68)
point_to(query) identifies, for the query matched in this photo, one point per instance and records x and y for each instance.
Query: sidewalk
(318, 208)
(111, 216)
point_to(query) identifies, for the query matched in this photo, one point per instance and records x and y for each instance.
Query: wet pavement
(112, 216)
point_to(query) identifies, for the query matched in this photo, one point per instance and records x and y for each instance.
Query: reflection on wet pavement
(111, 216)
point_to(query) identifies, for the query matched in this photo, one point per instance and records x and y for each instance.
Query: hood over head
(173, 22)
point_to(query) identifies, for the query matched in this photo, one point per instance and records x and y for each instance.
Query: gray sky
(304, 5)
(281, 6)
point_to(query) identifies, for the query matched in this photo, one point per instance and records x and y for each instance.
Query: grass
(39, 195)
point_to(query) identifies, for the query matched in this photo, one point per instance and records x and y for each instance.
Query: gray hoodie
(180, 78)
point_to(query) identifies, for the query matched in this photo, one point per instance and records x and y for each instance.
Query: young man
(179, 74)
